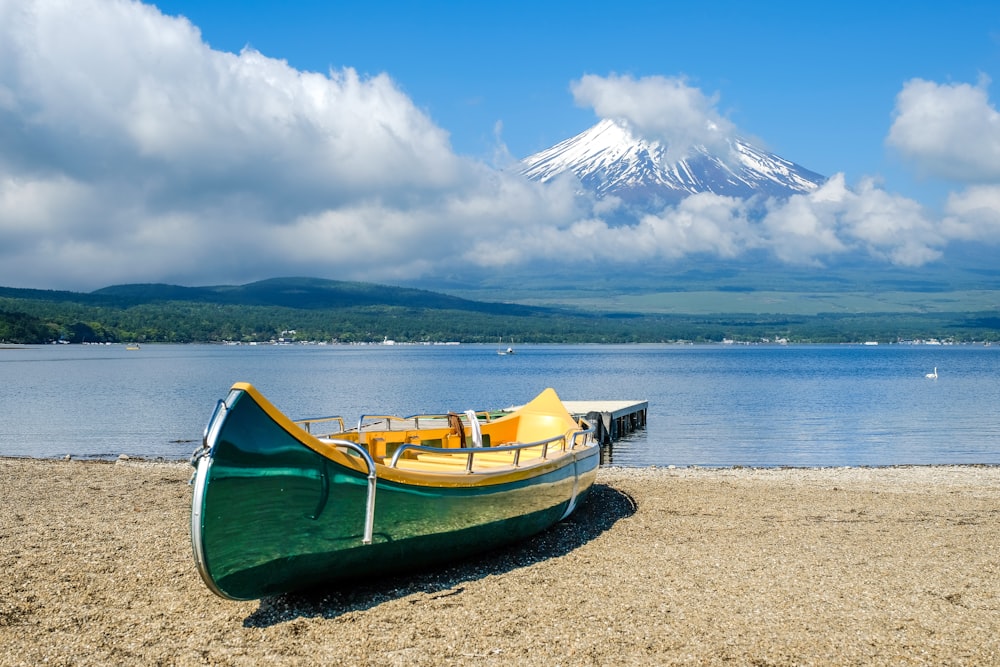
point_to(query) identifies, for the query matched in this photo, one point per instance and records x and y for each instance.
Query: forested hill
(300, 293)
(309, 309)
(298, 309)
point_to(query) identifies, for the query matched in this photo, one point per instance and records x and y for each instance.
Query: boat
(282, 505)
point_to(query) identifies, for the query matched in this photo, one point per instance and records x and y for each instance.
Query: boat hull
(271, 514)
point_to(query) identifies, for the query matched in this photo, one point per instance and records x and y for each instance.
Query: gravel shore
(692, 566)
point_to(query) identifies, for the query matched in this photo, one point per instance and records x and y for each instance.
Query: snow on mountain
(610, 161)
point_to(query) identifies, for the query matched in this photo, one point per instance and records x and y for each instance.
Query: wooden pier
(612, 419)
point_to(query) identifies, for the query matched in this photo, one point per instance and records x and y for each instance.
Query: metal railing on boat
(394, 423)
(307, 424)
(470, 452)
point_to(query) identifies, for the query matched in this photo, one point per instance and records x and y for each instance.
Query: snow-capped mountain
(610, 161)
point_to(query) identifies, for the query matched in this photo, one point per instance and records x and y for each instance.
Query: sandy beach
(845, 566)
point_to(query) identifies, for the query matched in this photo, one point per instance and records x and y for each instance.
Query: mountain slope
(300, 293)
(609, 160)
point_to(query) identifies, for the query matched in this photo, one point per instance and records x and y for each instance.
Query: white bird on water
(932, 376)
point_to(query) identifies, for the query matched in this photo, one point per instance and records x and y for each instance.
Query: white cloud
(835, 220)
(119, 84)
(891, 226)
(130, 151)
(974, 214)
(811, 230)
(658, 108)
(952, 132)
(948, 131)
(701, 223)
(805, 229)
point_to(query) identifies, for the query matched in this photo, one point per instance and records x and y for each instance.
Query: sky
(222, 142)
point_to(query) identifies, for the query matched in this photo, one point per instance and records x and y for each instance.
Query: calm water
(708, 405)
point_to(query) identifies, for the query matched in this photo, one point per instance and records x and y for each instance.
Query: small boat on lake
(282, 505)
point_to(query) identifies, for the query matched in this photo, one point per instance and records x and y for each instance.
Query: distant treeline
(315, 310)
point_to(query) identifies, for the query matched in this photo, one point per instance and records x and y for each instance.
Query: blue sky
(254, 139)
(814, 82)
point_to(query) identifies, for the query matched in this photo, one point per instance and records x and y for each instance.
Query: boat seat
(527, 454)
(437, 466)
(461, 460)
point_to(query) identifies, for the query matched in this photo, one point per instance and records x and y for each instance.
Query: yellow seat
(461, 460)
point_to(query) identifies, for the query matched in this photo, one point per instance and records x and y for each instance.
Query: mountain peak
(610, 160)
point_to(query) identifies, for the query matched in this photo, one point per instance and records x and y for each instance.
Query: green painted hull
(270, 515)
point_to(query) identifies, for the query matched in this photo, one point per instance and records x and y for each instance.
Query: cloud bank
(658, 108)
(130, 151)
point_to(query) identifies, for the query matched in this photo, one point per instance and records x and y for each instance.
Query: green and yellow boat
(282, 505)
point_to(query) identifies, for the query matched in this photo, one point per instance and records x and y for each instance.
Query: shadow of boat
(604, 507)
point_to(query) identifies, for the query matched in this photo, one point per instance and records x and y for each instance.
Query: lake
(709, 405)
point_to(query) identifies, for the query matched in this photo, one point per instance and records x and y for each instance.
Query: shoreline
(660, 565)
(163, 460)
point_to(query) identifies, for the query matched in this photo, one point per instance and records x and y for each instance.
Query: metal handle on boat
(208, 435)
(370, 502)
(588, 432)
(377, 418)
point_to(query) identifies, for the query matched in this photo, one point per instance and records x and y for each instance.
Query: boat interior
(461, 443)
